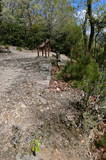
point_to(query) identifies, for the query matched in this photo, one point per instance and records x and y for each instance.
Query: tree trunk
(91, 37)
(0, 10)
(84, 34)
(92, 26)
(104, 53)
(0, 20)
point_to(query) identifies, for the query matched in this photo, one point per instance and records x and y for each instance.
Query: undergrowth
(87, 75)
(83, 73)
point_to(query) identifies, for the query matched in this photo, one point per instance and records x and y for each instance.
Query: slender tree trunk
(0, 10)
(29, 18)
(92, 26)
(0, 20)
(104, 52)
(91, 37)
(84, 34)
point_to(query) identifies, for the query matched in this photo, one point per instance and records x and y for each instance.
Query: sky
(81, 9)
(80, 4)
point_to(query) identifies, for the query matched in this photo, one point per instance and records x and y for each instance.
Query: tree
(0, 14)
(56, 13)
(0, 7)
(92, 24)
(18, 20)
(93, 20)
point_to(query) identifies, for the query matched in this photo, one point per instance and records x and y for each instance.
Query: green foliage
(12, 34)
(6, 46)
(66, 37)
(89, 121)
(83, 73)
(21, 36)
(35, 146)
(29, 23)
(101, 142)
(19, 49)
(92, 72)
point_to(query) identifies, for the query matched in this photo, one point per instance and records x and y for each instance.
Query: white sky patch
(88, 32)
(104, 30)
(81, 15)
(95, 15)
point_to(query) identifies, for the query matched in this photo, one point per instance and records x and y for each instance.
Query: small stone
(58, 89)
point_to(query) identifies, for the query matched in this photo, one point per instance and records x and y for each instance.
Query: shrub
(66, 38)
(101, 142)
(19, 49)
(89, 121)
(82, 74)
(7, 47)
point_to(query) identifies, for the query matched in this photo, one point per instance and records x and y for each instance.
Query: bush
(22, 36)
(101, 142)
(82, 74)
(89, 121)
(66, 38)
(19, 49)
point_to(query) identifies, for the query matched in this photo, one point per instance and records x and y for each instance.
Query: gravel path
(7, 76)
(30, 110)
(21, 75)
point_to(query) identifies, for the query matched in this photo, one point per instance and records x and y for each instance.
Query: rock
(58, 89)
(4, 49)
(44, 67)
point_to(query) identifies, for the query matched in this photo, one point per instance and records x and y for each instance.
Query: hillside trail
(29, 110)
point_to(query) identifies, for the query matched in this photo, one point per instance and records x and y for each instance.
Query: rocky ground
(32, 109)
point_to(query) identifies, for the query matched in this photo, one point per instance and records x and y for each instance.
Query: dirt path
(30, 110)
(7, 76)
